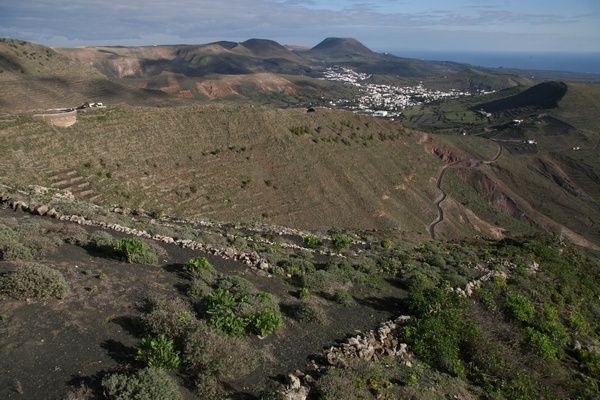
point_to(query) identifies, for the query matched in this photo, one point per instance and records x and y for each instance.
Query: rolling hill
(37, 77)
(243, 241)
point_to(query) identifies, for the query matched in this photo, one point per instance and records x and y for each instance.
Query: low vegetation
(528, 330)
(34, 281)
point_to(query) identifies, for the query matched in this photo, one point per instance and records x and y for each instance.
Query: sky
(382, 25)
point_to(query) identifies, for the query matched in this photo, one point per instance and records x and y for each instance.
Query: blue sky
(383, 25)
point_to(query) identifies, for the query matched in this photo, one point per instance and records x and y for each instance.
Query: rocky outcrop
(383, 342)
(293, 390)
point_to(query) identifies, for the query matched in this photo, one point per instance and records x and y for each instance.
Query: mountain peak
(341, 48)
(267, 48)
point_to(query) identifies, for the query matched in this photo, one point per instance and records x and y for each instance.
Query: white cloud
(376, 24)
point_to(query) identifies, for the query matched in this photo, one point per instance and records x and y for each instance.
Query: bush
(158, 352)
(317, 280)
(519, 308)
(200, 268)
(296, 266)
(360, 380)
(237, 285)
(135, 251)
(539, 343)
(102, 242)
(219, 305)
(264, 322)
(386, 243)
(440, 330)
(11, 247)
(169, 316)
(303, 293)
(198, 288)
(197, 263)
(213, 358)
(34, 281)
(590, 361)
(145, 384)
(312, 242)
(341, 242)
(342, 297)
(309, 313)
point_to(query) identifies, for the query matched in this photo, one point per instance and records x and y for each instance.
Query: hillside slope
(37, 77)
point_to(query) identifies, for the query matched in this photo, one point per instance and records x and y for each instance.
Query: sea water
(572, 62)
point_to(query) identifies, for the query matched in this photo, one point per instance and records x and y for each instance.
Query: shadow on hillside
(392, 305)
(177, 269)
(78, 384)
(130, 324)
(119, 352)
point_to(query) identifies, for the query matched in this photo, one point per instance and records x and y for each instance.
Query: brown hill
(341, 48)
(327, 168)
(37, 77)
(269, 49)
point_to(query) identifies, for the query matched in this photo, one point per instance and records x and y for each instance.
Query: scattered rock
(40, 210)
(293, 390)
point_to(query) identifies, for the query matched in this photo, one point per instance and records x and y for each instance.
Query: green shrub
(590, 361)
(198, 288)
(200, 268)
(11, 247)
(518, 307)
(212, 358)
(386, 243)
(577, 322)
(360, 380)
(539, 343)
(303, 293)
(317, 280)
(439, 331)
(145, 384)
(219, 306)
(555, 331)
(309, 313)
(296, 266)
(102, 242)
(135, 251)
(341, 242)
(169, 316)
(158, 352)
(197, 263)
(342, 297)
(264, 322)
(486, 299)
(34, 281)
(312, 242)
(237, 285)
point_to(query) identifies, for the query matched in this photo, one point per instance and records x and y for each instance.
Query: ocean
(573, 62)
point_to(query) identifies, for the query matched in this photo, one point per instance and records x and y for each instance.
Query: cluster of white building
(386, 100)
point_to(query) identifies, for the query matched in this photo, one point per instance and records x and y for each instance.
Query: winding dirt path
(443, 194)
